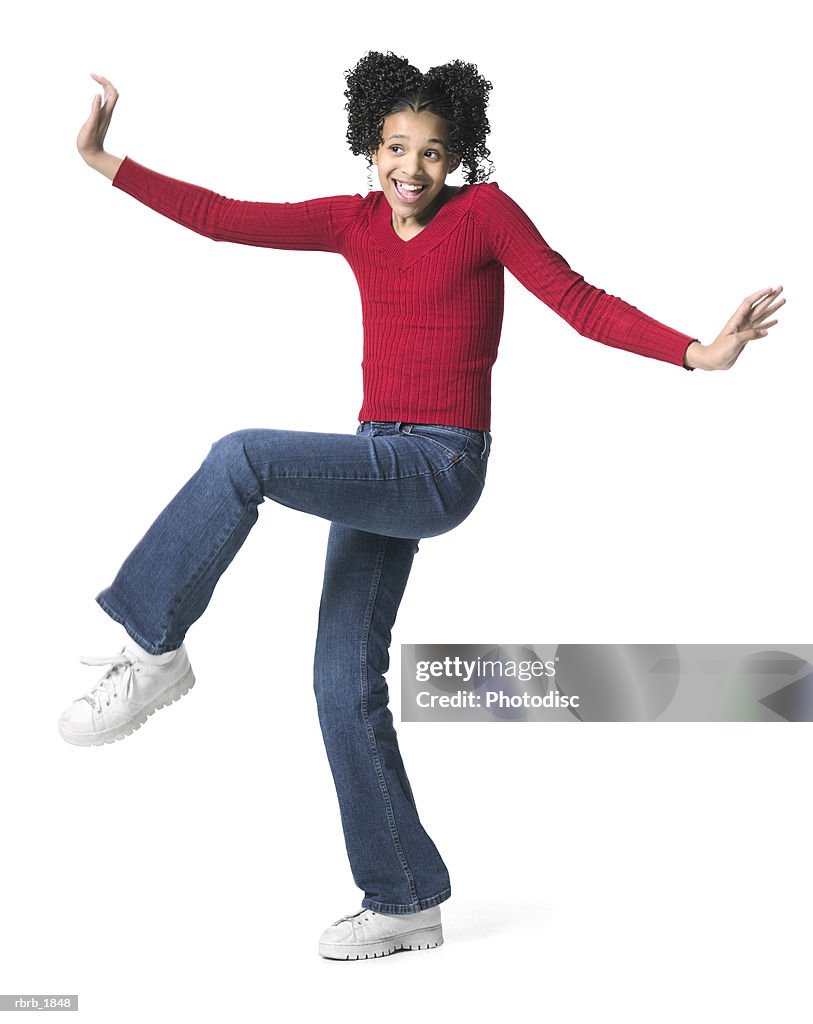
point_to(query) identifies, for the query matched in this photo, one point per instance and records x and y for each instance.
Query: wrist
(104, 163)
(693, 356)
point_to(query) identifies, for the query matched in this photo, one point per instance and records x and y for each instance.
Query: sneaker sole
(119, 732)
(426, 938)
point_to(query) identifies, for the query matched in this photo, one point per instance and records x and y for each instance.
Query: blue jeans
(383, 489)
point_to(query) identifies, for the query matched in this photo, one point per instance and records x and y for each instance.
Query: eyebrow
(439, 141)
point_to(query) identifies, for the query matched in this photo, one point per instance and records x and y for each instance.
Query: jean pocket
(455, 443)
(476, 466)
(448, 454)
(457, 447)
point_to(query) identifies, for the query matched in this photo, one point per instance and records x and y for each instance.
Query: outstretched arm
(517, 244)
(316, 224)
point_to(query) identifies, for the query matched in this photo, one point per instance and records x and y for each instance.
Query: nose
(413, 165)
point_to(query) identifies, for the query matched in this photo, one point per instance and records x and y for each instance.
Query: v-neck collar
(405, 252)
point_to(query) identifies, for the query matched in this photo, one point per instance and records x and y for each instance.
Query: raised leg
(386, 482)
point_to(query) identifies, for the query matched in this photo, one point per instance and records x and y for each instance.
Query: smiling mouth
(409, 193)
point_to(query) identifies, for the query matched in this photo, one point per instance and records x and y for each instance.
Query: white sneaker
(367, 934)
(125, 697)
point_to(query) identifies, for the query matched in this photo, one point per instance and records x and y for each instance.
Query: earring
(369, 178)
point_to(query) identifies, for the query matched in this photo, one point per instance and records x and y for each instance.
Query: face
(415, 152)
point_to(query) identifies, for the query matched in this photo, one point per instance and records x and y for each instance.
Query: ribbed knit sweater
(432, 306)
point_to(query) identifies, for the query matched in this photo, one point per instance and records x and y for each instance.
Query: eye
(433, 152)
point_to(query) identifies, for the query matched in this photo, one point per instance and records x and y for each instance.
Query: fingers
(767, 298)
(93, 131)
(767, 312)
(760, 311)
(749, 335)
(110, 92)
(743, 313)
(772, 308)
(755, 308)
(746, 325)
(751, 299)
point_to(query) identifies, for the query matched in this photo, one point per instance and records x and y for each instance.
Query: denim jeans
(382, 489)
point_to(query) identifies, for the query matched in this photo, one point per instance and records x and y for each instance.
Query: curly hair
(382, 84)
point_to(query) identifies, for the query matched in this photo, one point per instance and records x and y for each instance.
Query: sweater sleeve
(316, 224)
(518, 245)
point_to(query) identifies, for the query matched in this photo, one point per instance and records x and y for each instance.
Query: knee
(230, 447)
(333, 682)
(326, 681)
(230, 455)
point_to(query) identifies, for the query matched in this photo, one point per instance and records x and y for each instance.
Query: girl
(429, 259)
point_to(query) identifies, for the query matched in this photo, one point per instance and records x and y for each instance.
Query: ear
(454, 163)
(374, 156)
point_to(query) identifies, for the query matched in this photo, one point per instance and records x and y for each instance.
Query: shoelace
(109, 684)
(349, 917)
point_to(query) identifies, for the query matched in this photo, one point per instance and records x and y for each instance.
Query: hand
(90, 140)
(746, 323)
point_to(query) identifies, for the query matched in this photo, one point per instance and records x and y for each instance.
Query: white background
(649, 872)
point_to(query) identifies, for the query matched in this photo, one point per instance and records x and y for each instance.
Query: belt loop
(398, 426)
(484, 452)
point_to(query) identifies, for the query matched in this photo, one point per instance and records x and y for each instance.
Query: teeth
(409, 188)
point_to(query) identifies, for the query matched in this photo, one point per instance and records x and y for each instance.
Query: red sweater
(432, 307)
